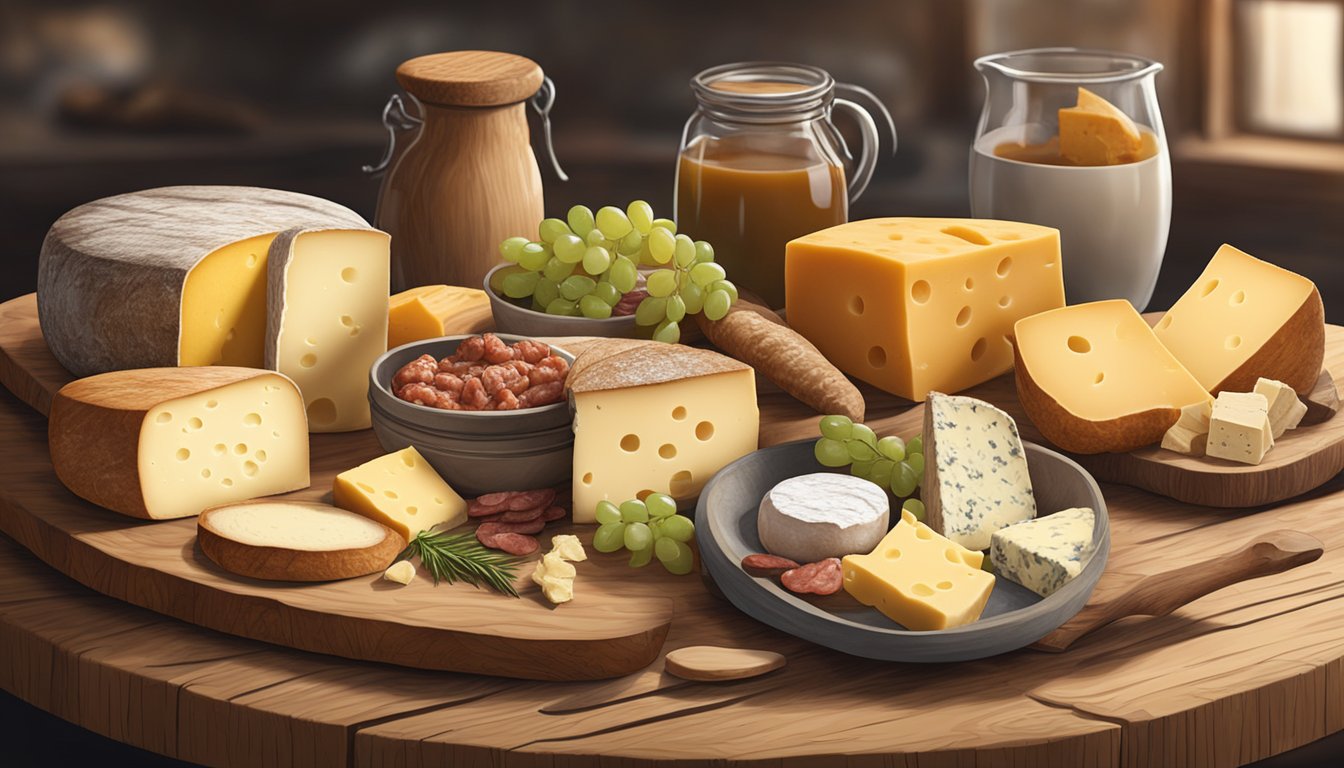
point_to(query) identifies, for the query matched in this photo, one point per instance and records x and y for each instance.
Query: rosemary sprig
(452, 557)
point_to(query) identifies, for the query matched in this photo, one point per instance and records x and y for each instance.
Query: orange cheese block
(913, 305)
(431, 311)
(1095, 132)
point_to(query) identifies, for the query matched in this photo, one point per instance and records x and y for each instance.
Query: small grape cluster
(895, 464)
(584, 265)
(646, 528)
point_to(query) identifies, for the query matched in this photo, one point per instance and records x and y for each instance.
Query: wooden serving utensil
(1159, 594)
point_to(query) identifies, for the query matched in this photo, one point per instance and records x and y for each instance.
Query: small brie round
(813, 517)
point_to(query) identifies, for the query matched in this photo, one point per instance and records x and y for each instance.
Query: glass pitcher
(1113, 219)
(761, 164)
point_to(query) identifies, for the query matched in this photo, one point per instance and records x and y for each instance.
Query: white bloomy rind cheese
(169, 442)
(813, 517)
(1239, 428)
(1045, 553)
(169, 276)
(975, 471)
(327, 319)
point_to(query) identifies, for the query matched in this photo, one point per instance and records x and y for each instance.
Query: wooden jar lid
(470, 78)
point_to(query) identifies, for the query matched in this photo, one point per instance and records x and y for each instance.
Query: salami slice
(516, 544)
(529, 528)
(524, 500)
(554, 513)
(476, 509)
(767, 565)
(497, 499)
(820, 578)
(524, 516)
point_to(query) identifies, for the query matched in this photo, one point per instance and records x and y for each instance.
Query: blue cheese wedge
(975, 470)
(1045, 553)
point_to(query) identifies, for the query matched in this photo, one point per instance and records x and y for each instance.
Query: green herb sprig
(455, 557)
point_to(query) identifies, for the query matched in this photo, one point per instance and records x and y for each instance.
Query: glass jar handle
(395, 118)
(867, 161)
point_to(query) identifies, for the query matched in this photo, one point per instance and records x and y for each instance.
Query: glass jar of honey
(761, 163)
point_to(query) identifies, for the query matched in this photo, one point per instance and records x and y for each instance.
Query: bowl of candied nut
(489, 412)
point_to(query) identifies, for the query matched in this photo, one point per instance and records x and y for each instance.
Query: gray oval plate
(1015, 616)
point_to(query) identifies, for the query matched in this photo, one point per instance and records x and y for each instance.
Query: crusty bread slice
(295, 541)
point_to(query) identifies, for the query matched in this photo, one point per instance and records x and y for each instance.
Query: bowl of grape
(616, 273)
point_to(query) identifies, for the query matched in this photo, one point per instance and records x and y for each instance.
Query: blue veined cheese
(1044, 554)
(975, 470)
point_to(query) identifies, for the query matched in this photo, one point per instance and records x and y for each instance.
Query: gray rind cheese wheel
(112, 272)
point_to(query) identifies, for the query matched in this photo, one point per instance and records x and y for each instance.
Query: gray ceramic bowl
(725, 530)
(511, 318)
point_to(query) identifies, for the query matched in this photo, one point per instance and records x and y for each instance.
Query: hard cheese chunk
(919, 579)
(224, 306)
(328, 309)
(975, 470)
(431, 311)
(402, 491)
(1044, 554)
(1190, 433)
(1094, 378)
(1239, 427)
(1244, 319)
(169, 442)
(1285, 409)
(913, 305)
(1095, 132)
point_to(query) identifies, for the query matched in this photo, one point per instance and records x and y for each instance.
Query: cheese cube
(656, 417)
(1239, 427)
(168, 442)
(919, 579)
(431, 311)
(975, 470)
(1096, 132)
(1093, 378)
(1244, 319)
(913, 305)
(1190, 433)
(1285, 409)
(1044, 554)
(402, 491)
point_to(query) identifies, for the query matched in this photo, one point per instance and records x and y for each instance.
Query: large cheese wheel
(169, 276)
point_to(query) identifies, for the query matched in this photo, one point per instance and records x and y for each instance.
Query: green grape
(576, 287)
(864, 433)
(704, 274)
(903, 480)
(678, 528)
(631, 244)
(915, 445)
(676, 308)
(668, 224)
(836, 427)
(684, 251)
(596, 260)
(609, 537)
(683, 280)
(831, 453)
(641, 216)
(638, 536)
(665, 549)
(667, 332)
(534, 257)
(880, 472)
(725, 286)
(916, 462)
(651, 311)
(892, 447)
(861, 451)
(717, 304)
(595, 238)
(634, 511)
(660, 505)
(645, 256)
(662, 245)
(545, 292)
(705, 252)
(569, 248)
(624, 274)
(694, 296)
(683, 562)
(550, 229)
(914, 507)
(613, 222)
(661, 283)
(608, 293)
(581, 220)
(562, 306)
(520, 285)
(861, 468)
(607, 512)
(594, 308)
(557, 270)
(512, 249)
(641, 558)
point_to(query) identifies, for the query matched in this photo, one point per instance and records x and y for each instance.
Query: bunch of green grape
(646, 528)
(893, 463)
(583, 265)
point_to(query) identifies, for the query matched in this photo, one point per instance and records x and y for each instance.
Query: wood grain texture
(714, 663)
(470, 78)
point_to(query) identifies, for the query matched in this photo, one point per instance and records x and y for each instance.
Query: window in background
(1289, 67)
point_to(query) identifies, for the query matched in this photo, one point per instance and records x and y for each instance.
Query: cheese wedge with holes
(914, 305)
(1239, 428)
(1244, 319)
(327, 319)
(1285, 409)
(919, 579)
(402, 491)
(168, 442)
(169, 276)
(431, 311)
(1096, 132)
(656, 417)
(1093, 378)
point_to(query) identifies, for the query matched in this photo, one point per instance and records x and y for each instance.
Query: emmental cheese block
(1046, 553)
(327, 319)
(402, 491)
(1239, 428)
(169, 276)
(652, 417)
(1095, 132)
(1244, 319)
(919, 579)
(295, 541)
(431, 311)
(913, 305)
(168, 442)
(1093, 378)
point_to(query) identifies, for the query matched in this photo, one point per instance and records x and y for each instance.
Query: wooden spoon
(1159, 594)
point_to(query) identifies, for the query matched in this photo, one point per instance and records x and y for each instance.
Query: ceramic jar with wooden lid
(467, 179)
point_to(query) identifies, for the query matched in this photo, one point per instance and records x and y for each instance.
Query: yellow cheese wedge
(431, 311)
(1094, 378)
(919, 579)
(1095, 132)
(1244, 319)
(914, 305)
(402, 491)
